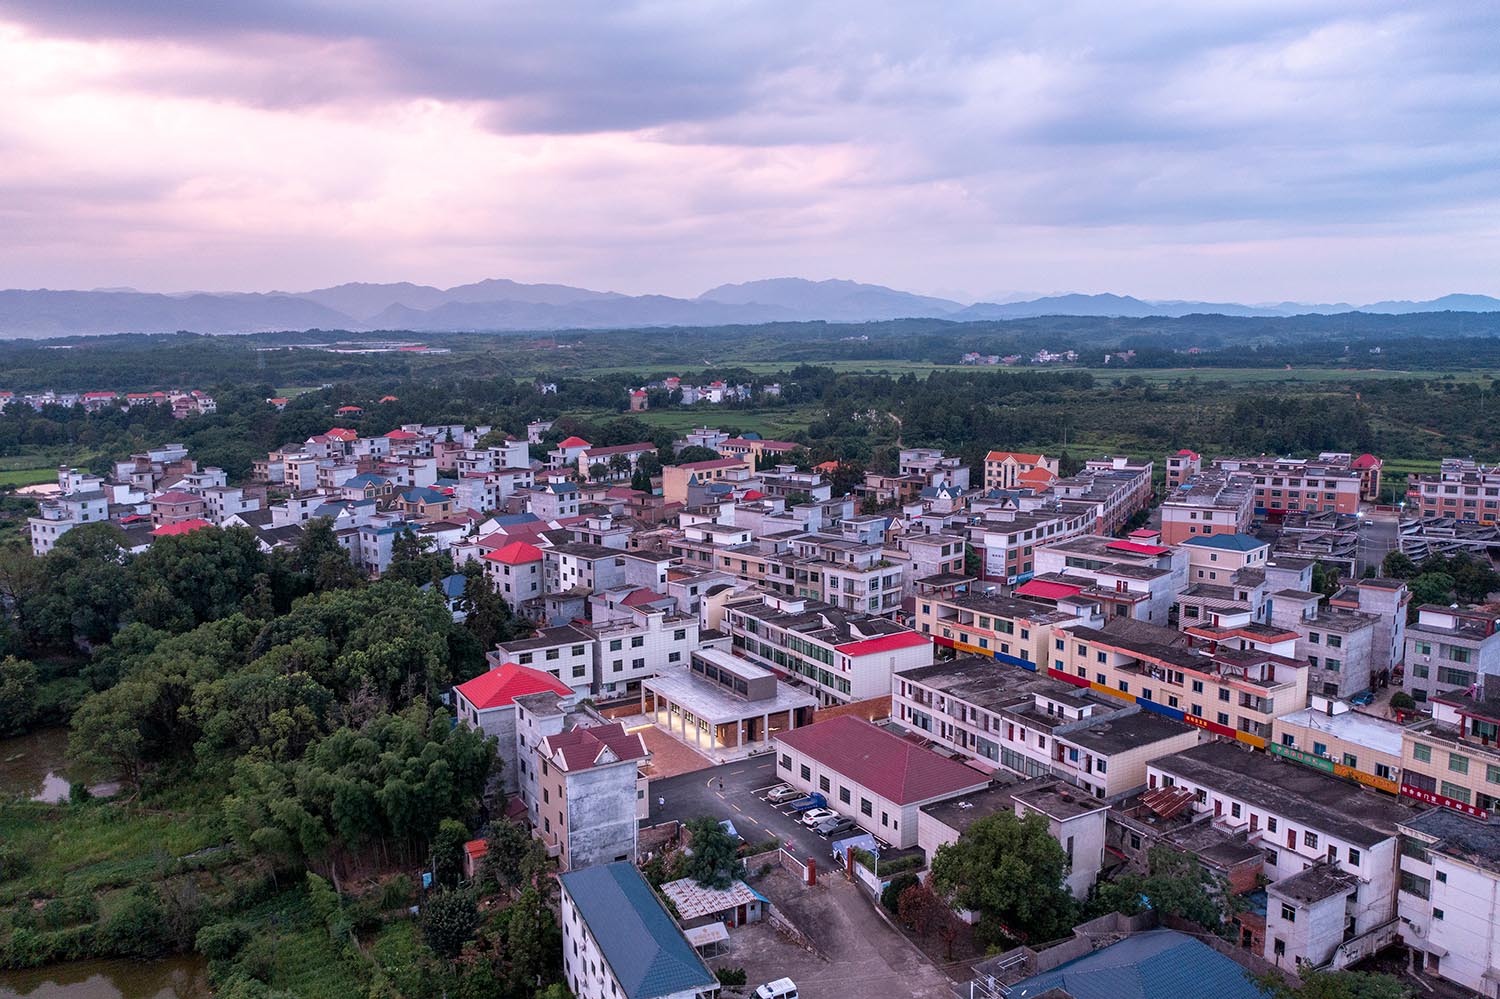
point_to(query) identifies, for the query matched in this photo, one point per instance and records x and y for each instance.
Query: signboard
(1369, 780)
(1213, 727)
(1433, 798)
(1306, 759)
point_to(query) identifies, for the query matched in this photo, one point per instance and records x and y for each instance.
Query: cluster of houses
(182, 404)
(1180, 685)
(714, 392)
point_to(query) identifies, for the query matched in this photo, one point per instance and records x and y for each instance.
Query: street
(1377, 536)
(693, 794)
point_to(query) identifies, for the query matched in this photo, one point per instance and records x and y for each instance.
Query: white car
(782, 793)
(813, 816)
(782, 988)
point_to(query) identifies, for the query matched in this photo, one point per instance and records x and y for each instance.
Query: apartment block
(1338, 644)
(1453, 761)
(1285, 485)
(58, 516)
(1449, 649)
(1130, 578)
(1018, 470)
(1007, 540)
(1333, 737)
(1461, 489)
(1450, 892)
(1017, 632)
(1207, 504)
(1181, 466)
(1387, 600)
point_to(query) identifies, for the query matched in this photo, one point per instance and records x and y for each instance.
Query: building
(675, 479)
(696, 905)
(1449, 649)
(59, 515)
(838, 656)
(1229, 691)
(641, 642)
(870, 775)
(487, 703)
(515, 572)
(1013, 631)
(1127, 578)
(1462, 490)
(1453, 761)
(614, 463)
(721, 702)
(1207, 504)
(176, 505)
(1007, 540)
(589, 781)
(1338, 644)
(1018, 470)
(1333, 737)
(1153, 965)
(1450, 892)
(1330, 848)
(1181, 466)
(1300, 485)
(1387, 600)
(619, 942)
(566, 652)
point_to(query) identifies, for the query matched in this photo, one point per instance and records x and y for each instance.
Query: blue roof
(422, 494)
(453, 586)
(1227, 542)
(511, 519)
(1159, 964)
(646, 951)
(367, 479)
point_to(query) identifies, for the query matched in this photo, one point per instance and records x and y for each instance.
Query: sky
(1238, 150)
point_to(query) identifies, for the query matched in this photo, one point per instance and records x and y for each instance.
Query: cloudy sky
(1255, 150)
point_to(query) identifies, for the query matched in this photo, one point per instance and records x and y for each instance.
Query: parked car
(834, 827)
(1363, 698)
(813, 816)
(782, 793)
(782, 988)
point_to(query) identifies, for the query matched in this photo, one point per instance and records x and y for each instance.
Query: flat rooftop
(1119, 732)
(716, 705)
(1379, 734)
(1459, 836)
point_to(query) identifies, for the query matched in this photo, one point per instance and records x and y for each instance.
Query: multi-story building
(1017, 632)
(59, 515)
(838, 656)
(1286, 485)
(1018, 470)
(638, 645)
(1453, 760)
(1333, 737)
(1387, 600)
(925, 556)
(1205, 505)
(1450, 892)
(722, 702)
(933, 468)
(619, 942)
(589, 779)
(847, 574)
(1008, 539)
(617, 462)
(1449, 649)
(1461, 489)
(566, 652)
(1182, 466)
(488, 703)
(1330, 848)
(675, 479)
(1229, 691)
(1114, 488)
(579, 564)
(1130, 578)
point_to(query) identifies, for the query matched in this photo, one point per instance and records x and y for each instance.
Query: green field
(27, 476)
(770, 424)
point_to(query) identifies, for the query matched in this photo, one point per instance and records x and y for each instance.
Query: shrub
(136, 928)
(732, 977)
(62, 912)
(1402, 701)
(222, 941)
(13, 863)
(396, 893)
(891, 897)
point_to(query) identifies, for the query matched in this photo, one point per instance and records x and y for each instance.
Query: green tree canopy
(1009, 870)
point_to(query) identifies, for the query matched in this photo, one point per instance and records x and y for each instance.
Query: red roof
(1145, 532)
(280, 400)
(181, 527)
(642, 598)
(1365, 461)
(349, 409)
(389, 398)
(883, 643)
(1185, 453)
(1021, 457)
(341, 433)
(581, 748)
(476, 848)
(575, 442)
(176, 496)
(501, 686)
(754, 494)
(1037, 475)
(1136, 547)
(880, 761)
(1047, 590)
(515, 553)
(402, 435)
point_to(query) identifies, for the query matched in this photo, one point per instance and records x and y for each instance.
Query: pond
(32, 766)
(168, 978)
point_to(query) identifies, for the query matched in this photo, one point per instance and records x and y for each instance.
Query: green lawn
(27, 476)
(769, 423)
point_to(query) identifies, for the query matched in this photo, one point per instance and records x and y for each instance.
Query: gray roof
(644, 948)
(1160, 964)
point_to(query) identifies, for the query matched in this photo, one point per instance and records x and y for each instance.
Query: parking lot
(736, 791)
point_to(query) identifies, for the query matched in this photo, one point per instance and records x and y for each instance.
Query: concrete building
(1013, 631)
(1333, 737)
(873, 776)
(1131, 578)
(590, 783)
(1182, 466)
(675, 479)
(1387, 600)
(575, 565)
(619, 942)
(487, 703)
(515, 572)
(1285, 485)
(59, 515)
(721, 702)
(1206, 505)
(1007, 539)
(565, 652)
(613, 463)
(1330, 848)
(1018, 470)
(1453, 761)
(1462, 489)
(1450, 892)
(1449, 649)
(641, 643)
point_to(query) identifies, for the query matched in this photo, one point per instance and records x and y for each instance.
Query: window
(865, 807)
(786, 762)
(844, 795)
(577, 650)
(1353, 857)
(578, 672)
(1234, 809)
(1320, 749)
(1270, 824)
(637, 641)
(1437, 913)
(679, 634)
(1288, 913)
(1421, 752)
(1224, 694)
(615, 645)
(806, 772)
(1458, 764)
(1455, 791)
(1309, 839)
(823, 784)
(1197, 686)
(1442, 877)
(1223, 718)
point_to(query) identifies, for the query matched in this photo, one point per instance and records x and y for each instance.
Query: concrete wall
(601, 816)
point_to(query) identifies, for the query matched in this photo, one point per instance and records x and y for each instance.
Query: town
(943, 730)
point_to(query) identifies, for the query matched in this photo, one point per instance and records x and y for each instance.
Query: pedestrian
(721, 783)
(661, 802)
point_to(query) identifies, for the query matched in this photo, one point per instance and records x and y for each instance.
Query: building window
(865, 807)
(1437, 913)
(786, 762)
(1353, 857)
(1421, 752)
(1270, 824)
(1458, 764)
(844, 795)
(1455, 791)
(1309, 839)
(806, 772)
(823, 784)
(1288, 913)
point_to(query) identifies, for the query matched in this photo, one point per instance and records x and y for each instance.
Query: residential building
(1386, 600)
(838, 656)
(619, 942)
(675, 479)
(1007, 539)
(1115, 489)
(1330, 848)
(1461, 489)
(487, 703)
(643, 642)
(174, 506)
(1207, 504)
(613, 463)
(721, 702)
(931, 467)
(873, 776)
(1337, 739)
(581, 565)
(55, 517)
(1449, 649)
(1014, 631)
(1018, 470)
(567, 652)
(589, 781)
(1128, 578)
(1156, 963)
(1453, 761)
(1182, 466)
(1285, 485)
(515, 572)
(755, 449)
(1450, 892)
(1338, 644)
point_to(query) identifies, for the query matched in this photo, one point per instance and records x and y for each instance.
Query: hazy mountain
(500, 304)
(841, 300)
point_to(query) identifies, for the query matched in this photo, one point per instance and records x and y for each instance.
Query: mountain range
(503, 305)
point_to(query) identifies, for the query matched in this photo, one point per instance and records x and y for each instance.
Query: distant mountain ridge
(499, 304)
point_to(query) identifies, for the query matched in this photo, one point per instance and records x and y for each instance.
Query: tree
(449, 919)
(1175, 884)
(640, 481)
(1325, 580)
(920, 908)
(714, 862)
(695, 452)
(18, 695)
(416, 560)
(533, 943)
(1009, 870)
(1402, 701)
(1334, 985)
(1430, 588)
(448, 852)
(890, 897)
(506, 856)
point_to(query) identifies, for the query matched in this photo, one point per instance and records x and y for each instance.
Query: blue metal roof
(1159, 964)
(646, 951)
(1227, 542)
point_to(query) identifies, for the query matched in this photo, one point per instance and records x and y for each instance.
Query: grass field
(27, 476)
(770, 424)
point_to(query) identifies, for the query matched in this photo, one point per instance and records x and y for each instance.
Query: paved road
(1376, 538)
(698, 793)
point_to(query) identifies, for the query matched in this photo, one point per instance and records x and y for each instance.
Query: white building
(1450, 892)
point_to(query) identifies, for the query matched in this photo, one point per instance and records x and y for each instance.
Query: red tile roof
(181, 527)
(754, 494)
(882, 643)
(501, 686)
(341, 434)
(402, 435)
(880, 761)
(476, 848)
(349, 409)
(176, 496)
(1047, 590)
(642, 597)
(575, 442)
(1365, 461)
(1185, 453)
(1021, 458)
(515, 553)
(581, 748)
(1136, 547)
